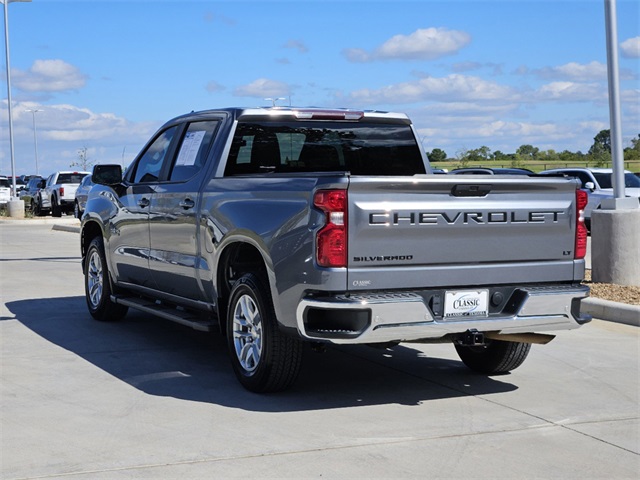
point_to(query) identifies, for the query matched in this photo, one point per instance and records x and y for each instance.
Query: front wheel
(76, 210)
(495, 357)
(37, 207)
(97, 286)
(263, 358)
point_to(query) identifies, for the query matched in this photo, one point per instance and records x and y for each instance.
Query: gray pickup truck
(284, 226)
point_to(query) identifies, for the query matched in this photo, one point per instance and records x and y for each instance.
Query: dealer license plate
(466, 303)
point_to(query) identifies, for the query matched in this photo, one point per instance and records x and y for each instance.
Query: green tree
(437, 155)
(633, 152)
(567, 156)
(462, 156)
(528, 152)
(502, 157)
(481, 154)
(598, 155)
(603, 138)
(548, 156)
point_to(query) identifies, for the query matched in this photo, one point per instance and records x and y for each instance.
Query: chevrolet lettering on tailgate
(465, 218)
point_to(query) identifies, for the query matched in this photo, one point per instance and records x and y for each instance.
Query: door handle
(187, 203)
(143, 202)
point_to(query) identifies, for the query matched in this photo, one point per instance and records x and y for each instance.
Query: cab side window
(150, 164)
(193, 151)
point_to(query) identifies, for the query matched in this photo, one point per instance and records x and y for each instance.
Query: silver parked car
(598, 183)
(81, 196)
(30, 192)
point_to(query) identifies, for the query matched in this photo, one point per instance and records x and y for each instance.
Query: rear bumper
(407, 316)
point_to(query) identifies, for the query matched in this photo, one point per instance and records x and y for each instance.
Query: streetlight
(6, 49)
(35, 136)
(615, 228)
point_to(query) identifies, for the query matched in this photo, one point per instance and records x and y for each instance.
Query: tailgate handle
(470, 190)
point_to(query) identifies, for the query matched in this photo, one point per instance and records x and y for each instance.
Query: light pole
(35, 136)
(6, 49)
(615, 228)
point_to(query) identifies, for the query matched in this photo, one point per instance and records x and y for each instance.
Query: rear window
(71, 177)
(4, 182)
(357, 148)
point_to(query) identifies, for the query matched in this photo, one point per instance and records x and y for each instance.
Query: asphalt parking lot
(148, 399)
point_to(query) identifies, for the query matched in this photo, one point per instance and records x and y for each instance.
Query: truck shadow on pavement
(165, 359)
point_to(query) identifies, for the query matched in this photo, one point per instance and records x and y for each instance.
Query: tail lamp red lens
(331, 240)
(581, 229)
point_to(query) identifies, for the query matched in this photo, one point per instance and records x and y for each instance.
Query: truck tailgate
(437, 230)
(69, 191)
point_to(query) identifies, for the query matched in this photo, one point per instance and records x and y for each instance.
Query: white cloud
(296, 45)
(631, 48)
(574, 71)
(423, 44)
(357, 55)
(452, 88)
(262, 88)
(214, 86)
(49, 76)
(62, 129)
(70, 123)
(571, 92)
(503, 135)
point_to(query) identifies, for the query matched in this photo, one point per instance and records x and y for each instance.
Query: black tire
(76, 210)
(37, 207)
(494, 358)
(263, 358)
(97, 285)
(56, 210)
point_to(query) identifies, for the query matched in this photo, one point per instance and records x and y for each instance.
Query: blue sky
(107, 74)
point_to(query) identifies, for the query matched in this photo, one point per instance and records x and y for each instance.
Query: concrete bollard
(16, 208)
(615, 246)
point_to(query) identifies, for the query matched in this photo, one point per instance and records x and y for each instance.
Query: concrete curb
(612, 311)
(40, 221)
(66, 228)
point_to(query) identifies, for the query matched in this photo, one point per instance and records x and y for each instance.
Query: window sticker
(190, 147)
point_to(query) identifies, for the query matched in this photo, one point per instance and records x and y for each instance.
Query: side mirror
(590, 186)
(107, 174)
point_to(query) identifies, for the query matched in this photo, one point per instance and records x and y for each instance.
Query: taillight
(62, 191)
(331, 240)
(581, 229)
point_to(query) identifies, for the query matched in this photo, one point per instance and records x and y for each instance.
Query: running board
(182, 317)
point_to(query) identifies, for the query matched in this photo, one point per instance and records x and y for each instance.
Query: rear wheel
(263, 358)
(76, 210)
(56, 210)
(97, 285)
(495, 357)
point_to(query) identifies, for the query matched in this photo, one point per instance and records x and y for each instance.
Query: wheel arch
(90, 230)
(235, 260)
